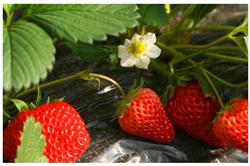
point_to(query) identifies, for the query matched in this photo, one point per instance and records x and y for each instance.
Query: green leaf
(28, 55)
(84, 23)
(20, 105)
(239, 36)
(32, 143)
(154, 14)
(91, 53)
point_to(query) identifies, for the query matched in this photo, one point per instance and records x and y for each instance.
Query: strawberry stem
(108, 79)
(52, 83)
(228, 84)
(81, 75)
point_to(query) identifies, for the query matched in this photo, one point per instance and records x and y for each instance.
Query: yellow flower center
(136, 48)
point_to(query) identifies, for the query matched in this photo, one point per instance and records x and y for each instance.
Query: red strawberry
(232, 125)
(145, 117)
(192, 112)
(64, 130)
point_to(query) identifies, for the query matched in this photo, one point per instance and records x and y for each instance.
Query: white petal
(122, 51)
(128, 61)
(142, 62)
(149, 39)
(153, 51)
(127, 42)
(135, 37)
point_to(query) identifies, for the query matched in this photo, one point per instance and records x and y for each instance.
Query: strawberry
(65, 132)
(142, 114)
(192, 112)
(231, 125)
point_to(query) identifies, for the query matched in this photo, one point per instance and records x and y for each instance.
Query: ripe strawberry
(232, 125)
(144, 116)
(192, 112)
(64, 130)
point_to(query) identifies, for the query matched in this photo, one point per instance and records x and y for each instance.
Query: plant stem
(213, 28)
(228, 84)
(108, 79)
(221, 39)
(175, 53)
(227, 58)
(184, 68)
(188, 57)
(52, 83)
(143, 30)
(167, 48)
(214, 48)
(9, 12)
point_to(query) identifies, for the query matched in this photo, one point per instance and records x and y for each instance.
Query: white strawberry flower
(138, 51)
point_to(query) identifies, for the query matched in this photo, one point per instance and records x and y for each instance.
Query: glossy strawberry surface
(65, 132)
(232, 125)
(192, 112)
(146, 118)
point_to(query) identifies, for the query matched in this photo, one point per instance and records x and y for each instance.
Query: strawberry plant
(153, 38)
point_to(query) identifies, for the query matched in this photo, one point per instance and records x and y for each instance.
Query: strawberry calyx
(125, 102)
(227, 107)
(173, 81)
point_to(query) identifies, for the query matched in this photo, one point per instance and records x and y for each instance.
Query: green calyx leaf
(124, 103)
(49, 101)
(28, 55)
(32, 143)
(173, 81)
(227, 107)
(39, 96)
(153, 14)
(83, 22)
(20, 105)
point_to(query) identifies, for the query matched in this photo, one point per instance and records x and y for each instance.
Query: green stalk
(221, 39)
(188, 57)
(83, 73)
(167, 48)
(224, 48)
(227, 58)
(210, 28)
(213, 28)
(184, 68)
(110, 80)
(214, 48)
(8, 8)
(228, 84)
